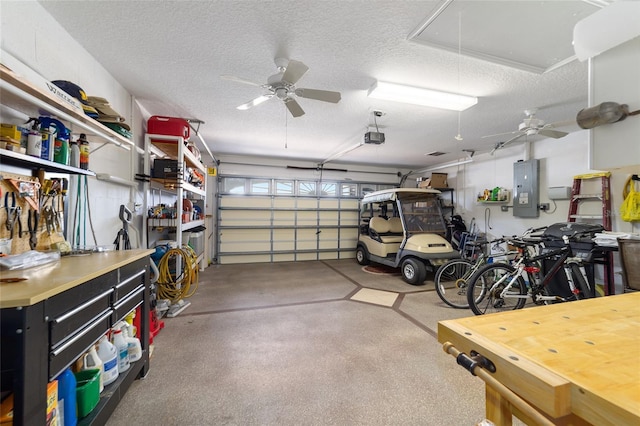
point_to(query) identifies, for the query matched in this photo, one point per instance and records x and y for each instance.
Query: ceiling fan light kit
(420, 96)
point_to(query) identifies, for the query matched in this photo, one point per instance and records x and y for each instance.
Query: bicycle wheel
(486, 286)
(451, 282)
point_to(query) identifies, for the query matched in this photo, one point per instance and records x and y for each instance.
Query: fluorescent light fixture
(445, 165)
(420, 96)
(343, 152)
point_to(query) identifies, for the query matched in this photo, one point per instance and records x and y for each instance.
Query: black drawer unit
(61, 356)
(41, 339)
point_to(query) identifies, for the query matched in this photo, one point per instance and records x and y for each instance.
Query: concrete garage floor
(306, 343)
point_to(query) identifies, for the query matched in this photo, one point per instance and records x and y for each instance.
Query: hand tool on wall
(49, 219)
(13, 213)
(32, 223)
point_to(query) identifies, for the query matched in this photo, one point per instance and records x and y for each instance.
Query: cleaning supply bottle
(74, 153)
(61, 143)
(109, 356)
(67, 398)
(34, 138)
(123, 350)
(91, 361)
(134, 347)
(84, 152)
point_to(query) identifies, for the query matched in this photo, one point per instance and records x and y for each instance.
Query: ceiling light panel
(534, 36)
(420, 96)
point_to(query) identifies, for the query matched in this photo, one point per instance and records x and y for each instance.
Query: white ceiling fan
(530, 126)
(282, 86)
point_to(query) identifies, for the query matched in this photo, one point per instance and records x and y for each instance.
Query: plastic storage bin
(171, 126)
(87, 391)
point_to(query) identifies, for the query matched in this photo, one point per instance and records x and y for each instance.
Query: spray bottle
(61, 144)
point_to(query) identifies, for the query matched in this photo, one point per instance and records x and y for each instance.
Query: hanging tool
(49, 219)
(125, 217)
(28, 191)
(32, 223)
(13, 214)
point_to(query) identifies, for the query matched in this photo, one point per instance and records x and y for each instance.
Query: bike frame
(564, 261)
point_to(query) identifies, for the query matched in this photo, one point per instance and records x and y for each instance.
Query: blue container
(67, 398)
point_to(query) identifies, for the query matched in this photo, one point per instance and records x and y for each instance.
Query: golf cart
(403, 227)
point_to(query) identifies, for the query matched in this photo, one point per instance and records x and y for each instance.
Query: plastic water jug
(109, 357)
(67, 398)
(91, 361)
(133, 343)
(123, 350)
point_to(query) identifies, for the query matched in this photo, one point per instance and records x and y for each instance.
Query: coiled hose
(184, 285)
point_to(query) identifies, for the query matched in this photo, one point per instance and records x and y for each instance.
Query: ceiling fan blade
(505, 143)
(254, 102)
(294, 107)
(556, 134)
(294, 72)
(239, 80)
(501, 134)
(319, 95)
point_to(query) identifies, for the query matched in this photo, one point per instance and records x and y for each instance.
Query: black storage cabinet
(582, 246)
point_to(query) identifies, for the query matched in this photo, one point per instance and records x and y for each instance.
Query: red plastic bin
(171, 126)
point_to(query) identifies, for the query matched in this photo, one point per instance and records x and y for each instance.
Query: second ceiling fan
(282, 85)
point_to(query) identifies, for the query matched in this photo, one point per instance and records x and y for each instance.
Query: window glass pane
(234, 185)
(349, 190)
(284, 187)
(306, 188)
(329, 189)
(260, 186)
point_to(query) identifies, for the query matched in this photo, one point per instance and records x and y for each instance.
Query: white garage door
(277, 220)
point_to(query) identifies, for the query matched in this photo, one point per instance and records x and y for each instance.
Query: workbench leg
(498, 409)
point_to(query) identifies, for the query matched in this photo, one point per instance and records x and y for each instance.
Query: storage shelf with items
(177, 172)
(496, 195)
(446, 202)
(22, 99)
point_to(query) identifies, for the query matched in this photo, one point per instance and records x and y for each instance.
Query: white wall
(560, 160)
(50, 51)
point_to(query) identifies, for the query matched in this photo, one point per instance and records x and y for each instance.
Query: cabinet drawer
(128, 303)
(66, 353)
(65, 325)
(128, 283)
(76, 296)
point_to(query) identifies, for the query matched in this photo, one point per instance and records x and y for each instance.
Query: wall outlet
(544, 207)
(504, 208)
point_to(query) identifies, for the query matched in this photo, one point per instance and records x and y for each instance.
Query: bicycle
(500, 287)
(452, 277)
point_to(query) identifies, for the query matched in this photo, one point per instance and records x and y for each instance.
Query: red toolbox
(171, 126)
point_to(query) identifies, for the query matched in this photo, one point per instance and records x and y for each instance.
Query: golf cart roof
(398, 193)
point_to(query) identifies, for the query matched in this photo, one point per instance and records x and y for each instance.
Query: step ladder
(578, 198)
(604, 197)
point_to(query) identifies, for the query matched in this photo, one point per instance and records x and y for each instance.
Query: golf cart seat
(386, 231)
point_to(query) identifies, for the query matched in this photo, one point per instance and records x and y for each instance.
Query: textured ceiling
(170, 56)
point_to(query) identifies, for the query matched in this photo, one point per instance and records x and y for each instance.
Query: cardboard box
(437, 180)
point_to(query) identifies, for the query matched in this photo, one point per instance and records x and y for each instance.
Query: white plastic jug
(109, 356)
(91, 361)
(133, 343)
(123, 350)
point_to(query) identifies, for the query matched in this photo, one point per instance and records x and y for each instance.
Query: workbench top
(579, 358)
(48, 280)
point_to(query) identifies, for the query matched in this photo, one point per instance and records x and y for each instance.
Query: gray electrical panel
(526, 196)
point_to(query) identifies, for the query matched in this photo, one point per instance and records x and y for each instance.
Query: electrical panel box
(526, 196)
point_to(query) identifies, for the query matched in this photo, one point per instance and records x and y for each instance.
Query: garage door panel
(291, 223)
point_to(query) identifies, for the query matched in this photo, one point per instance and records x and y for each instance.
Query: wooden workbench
(59, 311)
(578, 362)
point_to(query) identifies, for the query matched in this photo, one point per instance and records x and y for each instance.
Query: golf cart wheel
(413, 271)
(361, 256)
